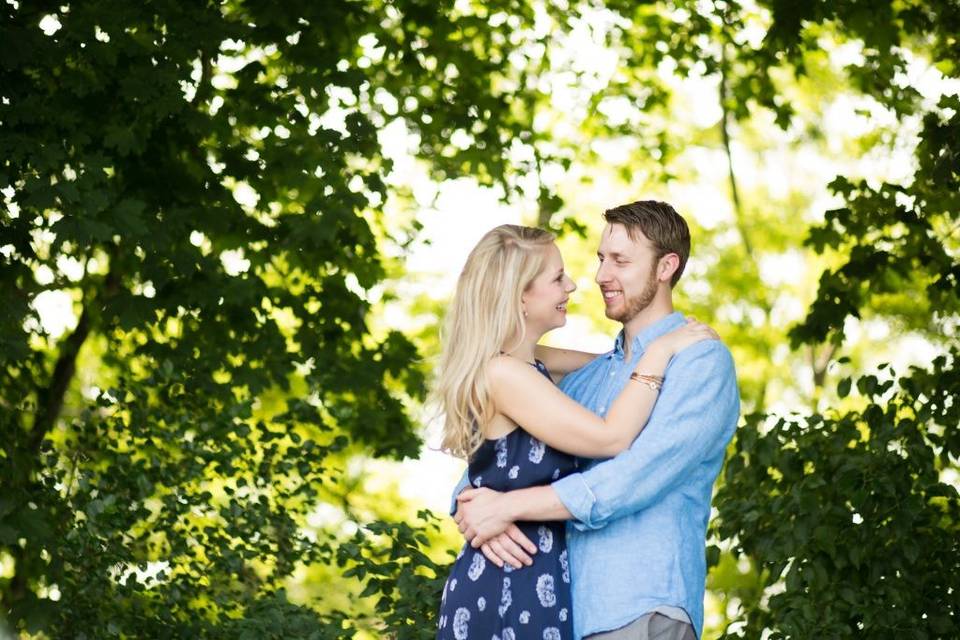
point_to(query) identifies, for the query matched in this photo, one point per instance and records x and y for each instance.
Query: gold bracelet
(654, 382)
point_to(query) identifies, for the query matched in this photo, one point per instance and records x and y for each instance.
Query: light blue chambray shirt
(637, 540)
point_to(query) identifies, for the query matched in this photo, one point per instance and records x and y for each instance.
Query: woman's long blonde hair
(486, 311)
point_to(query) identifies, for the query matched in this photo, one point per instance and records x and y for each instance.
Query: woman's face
(545, 300)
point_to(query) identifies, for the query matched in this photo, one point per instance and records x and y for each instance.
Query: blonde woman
(505, 416)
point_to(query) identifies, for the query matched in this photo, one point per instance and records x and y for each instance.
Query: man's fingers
(514, 550)
(467, 495)
(518, 536)
(503, 554)
(479, 538)
(491, 554)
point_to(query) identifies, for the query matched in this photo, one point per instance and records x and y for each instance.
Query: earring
(524, 313)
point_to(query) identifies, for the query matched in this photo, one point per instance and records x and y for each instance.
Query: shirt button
(601, 410)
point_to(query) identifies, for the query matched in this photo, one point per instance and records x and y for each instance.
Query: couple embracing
(587, 493)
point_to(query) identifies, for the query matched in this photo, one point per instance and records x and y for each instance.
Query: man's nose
(601, 276)
(571, 285)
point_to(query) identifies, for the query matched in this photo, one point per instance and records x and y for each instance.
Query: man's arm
(694, 417)
(509, 547)
(483, 513)
(463, 484)
(693, 420)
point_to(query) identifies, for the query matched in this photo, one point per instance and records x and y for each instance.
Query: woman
(517, 429)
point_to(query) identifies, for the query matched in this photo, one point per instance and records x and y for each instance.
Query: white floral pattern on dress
(478, 481)
(545, 590)
(508, 634)
(537, 449)
(514, 472)
(546, 538)
(453, 584)
(524, 617)
(563, 614)
(476, 567)
(461, 619)
(506, 599)
(482, 604)
(551, 633)
(565, 567)
(501, 448)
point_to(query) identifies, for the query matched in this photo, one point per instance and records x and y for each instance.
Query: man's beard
(634, 305)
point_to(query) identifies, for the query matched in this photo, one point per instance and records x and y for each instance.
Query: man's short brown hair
(659, 222)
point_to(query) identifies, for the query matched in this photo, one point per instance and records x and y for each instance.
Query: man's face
(626, 274)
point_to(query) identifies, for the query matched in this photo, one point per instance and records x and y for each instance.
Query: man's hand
(481, 515)
(510, 547)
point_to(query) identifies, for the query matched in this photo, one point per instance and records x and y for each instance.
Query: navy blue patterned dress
(484, 602)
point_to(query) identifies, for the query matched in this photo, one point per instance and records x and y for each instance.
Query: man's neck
(658, 310)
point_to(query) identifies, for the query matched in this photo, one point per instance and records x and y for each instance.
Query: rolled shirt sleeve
(692, 421)
(463, 484)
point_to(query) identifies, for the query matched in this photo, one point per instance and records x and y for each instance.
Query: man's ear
(667, 266)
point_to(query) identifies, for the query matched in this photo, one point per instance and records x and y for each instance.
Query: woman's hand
(679, 339)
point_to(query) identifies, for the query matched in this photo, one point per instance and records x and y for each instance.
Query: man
(637, 522)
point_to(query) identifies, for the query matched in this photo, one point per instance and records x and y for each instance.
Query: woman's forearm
(630, 411)
(560, 362)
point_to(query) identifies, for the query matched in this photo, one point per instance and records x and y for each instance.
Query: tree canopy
(207, 187)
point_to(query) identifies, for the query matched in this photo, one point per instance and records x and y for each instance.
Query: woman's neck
(523, 350)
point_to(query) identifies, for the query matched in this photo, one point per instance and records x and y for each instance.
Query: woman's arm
(560, 362)
(527, 398)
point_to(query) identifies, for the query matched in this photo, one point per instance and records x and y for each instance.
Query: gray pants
(652, 626)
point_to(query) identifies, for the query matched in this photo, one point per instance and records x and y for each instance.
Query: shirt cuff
(463, 484)
(579, 500)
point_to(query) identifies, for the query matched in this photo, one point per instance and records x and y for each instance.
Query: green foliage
(844, 512)
(405, 580)
(206, 183)
(847, 511)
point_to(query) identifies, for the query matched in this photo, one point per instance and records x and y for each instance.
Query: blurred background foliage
(216, 335)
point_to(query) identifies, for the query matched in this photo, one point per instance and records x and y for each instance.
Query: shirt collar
(641, 340)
